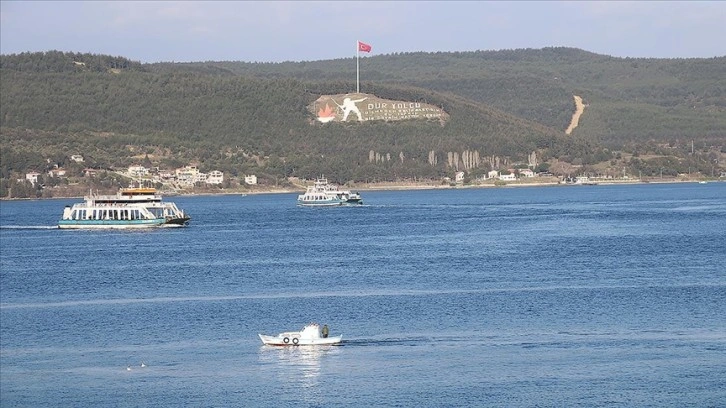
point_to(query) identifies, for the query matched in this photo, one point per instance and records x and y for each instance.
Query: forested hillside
(252, 118)
(629, 99)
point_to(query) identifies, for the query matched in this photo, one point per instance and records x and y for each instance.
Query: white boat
(129, 208)
(585, 181)
(311, 335)
(324, 194)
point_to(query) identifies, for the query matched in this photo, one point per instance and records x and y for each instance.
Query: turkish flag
(364, 47)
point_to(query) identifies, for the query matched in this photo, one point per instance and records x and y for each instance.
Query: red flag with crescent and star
(364, 47)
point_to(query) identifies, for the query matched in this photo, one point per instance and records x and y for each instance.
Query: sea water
(507, 297)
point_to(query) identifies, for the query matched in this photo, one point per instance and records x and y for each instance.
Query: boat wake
(407, 341)
(28, 227)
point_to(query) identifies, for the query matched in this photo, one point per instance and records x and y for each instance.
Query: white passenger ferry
(129, 208)
(325, 194)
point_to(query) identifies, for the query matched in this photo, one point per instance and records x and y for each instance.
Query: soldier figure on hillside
(348, 106)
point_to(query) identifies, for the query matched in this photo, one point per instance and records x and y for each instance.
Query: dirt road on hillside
(579, 109)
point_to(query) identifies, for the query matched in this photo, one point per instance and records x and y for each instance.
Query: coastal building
(526, 173)
(251, 180)
(165, 175)
(138, 171)
(508, 177)
(60, 172)
(32, 177)
(187, 175)
(459, 177)
(493, 174)
(215, 177)
(200, 178)
(77, 158)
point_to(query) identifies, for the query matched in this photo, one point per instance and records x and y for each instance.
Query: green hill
(245, 118)
(539, 84)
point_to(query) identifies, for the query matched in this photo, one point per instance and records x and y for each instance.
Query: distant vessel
(324, 194)
(129, 208)
(310, 335)
(585, 181)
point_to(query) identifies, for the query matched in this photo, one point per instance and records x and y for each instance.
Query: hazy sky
(269, 31)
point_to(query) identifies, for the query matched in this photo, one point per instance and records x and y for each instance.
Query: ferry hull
(112, 224)
(177, 222)
(328, 203)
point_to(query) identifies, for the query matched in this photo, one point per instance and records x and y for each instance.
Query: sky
(277, 31)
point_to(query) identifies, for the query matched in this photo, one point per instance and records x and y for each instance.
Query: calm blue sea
(502, 297)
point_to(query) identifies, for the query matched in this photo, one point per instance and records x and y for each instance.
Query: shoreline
(407, 187)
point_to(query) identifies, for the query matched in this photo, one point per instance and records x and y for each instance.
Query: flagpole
(357, 67)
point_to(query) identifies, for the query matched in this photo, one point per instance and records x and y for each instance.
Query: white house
(77, 158)
(187, 174)
(57, 173)
(32, 177)
(215, 177)
(251, 179)
(507, 177)
(493, 174)
(459, 177)
(526, 173)
(138, 171)
(165, 175)
(90, 172)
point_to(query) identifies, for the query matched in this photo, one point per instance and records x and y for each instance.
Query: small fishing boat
(324, 194)
(311, 335)
(129, 208)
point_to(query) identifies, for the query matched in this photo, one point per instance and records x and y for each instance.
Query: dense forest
(630, 99)
(645, 115)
